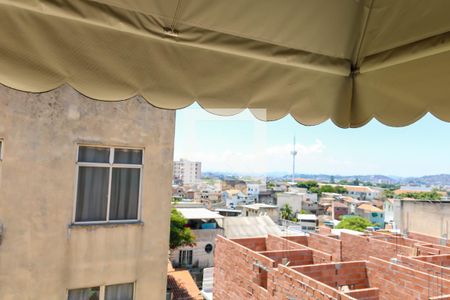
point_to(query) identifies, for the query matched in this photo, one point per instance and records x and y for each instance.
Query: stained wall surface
(42, 254)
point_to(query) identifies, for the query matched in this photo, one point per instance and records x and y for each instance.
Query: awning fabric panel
(346, 60)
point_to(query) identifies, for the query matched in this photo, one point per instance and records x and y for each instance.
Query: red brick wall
(338, 274)
(235, 273)
(324, 230)
(400, 282)
(290, 284)
(236, 277)
(326, 244)
(294, 257)
(365, 294)
(278, 243)
(301, 239)
(443, 260)
(427, 264)
(426, 238)
(362, 247)
(256, 243)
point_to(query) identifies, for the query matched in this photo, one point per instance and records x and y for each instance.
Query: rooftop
(250, 226)
(182, 285)
(369, 208)
(259, 205)
(199, 214)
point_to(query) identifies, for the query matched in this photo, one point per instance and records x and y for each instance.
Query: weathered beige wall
(423, 217)
(41, 256)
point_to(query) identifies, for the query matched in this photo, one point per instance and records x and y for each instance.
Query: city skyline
(243, 144)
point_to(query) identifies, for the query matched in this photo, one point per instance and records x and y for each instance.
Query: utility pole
(293, 153)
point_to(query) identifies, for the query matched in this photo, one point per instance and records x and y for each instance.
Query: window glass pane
(93, 154)
(92, 194)
(124, 194)
(119, 292)
(85, 294)
(128, 156)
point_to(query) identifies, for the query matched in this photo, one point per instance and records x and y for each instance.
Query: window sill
(108, 224)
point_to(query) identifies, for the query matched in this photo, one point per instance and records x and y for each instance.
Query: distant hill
(434, 180)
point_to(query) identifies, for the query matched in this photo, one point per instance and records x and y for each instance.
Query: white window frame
(186, 251)
(111, 165)
(102, 291)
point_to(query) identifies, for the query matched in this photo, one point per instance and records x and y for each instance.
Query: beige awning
(347, 60)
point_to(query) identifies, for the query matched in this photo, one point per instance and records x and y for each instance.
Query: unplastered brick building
(326, 266)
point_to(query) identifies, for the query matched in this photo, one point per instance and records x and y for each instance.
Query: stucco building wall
(41, 254)
(432, 218)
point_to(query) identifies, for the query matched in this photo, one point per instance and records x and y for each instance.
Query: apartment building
(189, 172)
(81, 189)
(325, 266)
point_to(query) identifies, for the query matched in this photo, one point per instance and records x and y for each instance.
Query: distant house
(205, 227)
(308, 222)
(371, 213)
(337, 209)
(261, 209)
(253, 192)
(267, 197)
(234, 197)
(234, 184)
(362, 192)
(388, 207)
(228, 212)
(351, 203)
(240, 227)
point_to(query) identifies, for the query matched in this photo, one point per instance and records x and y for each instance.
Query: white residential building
(388, 207)
(253, 190)
(362, 192)
(308, 222)
(204, 226)
(234, 198)
(261, 209)
(189, 172)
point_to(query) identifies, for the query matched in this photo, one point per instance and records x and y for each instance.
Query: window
(119, 292)
(185, 258)
(109, 292)
(109, 183)
(85, 294)
(208, 248)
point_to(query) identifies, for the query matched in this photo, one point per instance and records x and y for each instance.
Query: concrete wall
(294, 200)
(432, 218)
(41, 255)
(200, 258)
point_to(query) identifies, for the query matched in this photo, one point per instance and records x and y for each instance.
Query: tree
(340, 189)
(286, 212)
(179, 234)
(308, 184)
(421, 195)
(354, 223)
(388, 194)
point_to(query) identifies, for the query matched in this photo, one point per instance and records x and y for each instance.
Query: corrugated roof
(198, 213)
(235, 227)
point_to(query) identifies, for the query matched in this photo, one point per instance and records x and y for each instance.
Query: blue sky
(241, 143)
